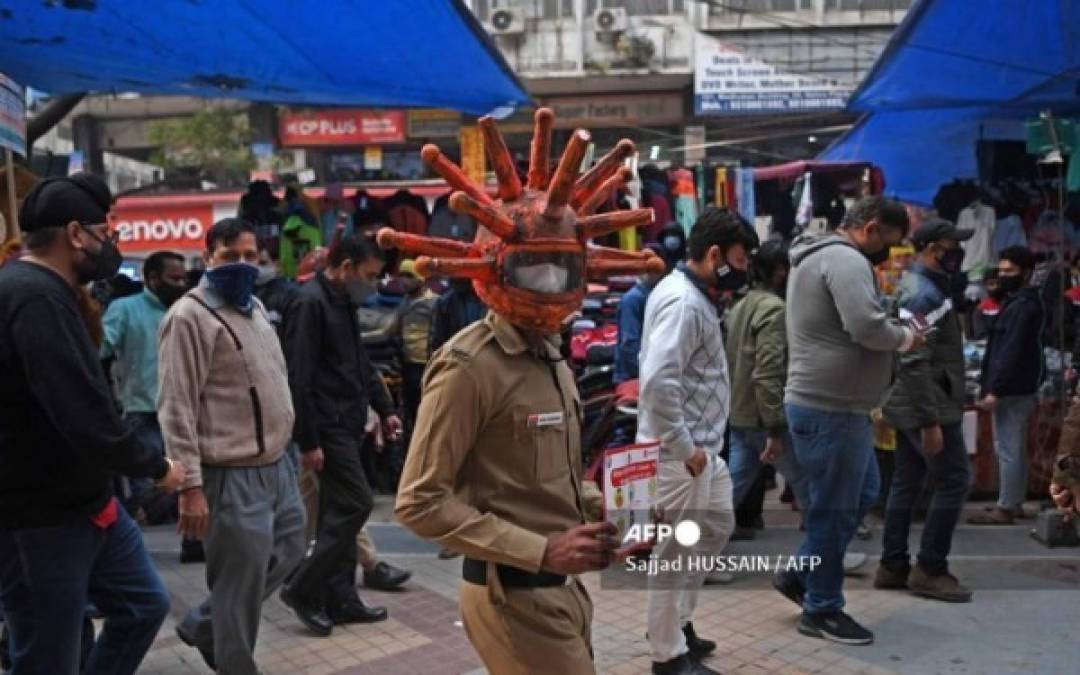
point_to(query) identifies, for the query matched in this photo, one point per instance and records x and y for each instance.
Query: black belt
(475, 572)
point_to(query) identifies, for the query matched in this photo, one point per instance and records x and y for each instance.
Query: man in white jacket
(684, 404)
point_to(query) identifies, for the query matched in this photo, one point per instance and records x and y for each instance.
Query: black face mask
(730, 279)
(1010, 284)
(101, 264)
(877, 257)
(169, 293)
(951, 260)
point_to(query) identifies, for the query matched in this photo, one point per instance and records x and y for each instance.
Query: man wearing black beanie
(64, 541)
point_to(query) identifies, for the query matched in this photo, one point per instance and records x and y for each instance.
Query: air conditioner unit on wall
(611, 20)
(507, 21)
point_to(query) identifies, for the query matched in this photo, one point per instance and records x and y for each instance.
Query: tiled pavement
(1023, 630)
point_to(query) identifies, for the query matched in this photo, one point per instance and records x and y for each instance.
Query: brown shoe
(995, 516)
(944, 587)
(890, 579)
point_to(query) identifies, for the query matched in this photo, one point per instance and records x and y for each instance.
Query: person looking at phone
(926, 407)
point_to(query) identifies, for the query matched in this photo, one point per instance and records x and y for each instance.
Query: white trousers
(706, 500)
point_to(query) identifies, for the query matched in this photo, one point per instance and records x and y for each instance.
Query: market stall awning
(954, 73)
(794, 170)
(422, 53)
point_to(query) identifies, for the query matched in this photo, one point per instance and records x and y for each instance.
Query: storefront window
(396, 165)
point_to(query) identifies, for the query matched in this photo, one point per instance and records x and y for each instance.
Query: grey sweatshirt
(684, 372)
(840, 340)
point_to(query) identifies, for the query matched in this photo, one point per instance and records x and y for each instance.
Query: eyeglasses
(112, 237)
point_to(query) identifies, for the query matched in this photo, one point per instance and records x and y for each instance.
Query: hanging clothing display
(1009, 231)
(979, 250)
(408, 212)
(746, 198)
(720, 198)
(449, 224)
(685, 193)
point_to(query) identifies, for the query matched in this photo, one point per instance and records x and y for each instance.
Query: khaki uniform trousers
(309, 492)
(525, 631)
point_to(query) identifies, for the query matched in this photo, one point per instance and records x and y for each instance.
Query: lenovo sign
(345, 126)
(179, 228)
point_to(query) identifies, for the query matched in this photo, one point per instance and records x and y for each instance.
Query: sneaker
(995, 516)
(699, 647)
(835, 627)
(891, 579)
(682, 665)
(853, 561)
(790, 586)
(743, 534)
(447, 554)
(944, 587)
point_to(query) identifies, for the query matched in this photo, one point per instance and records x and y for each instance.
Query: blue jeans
(744, 463)
(949, 478)
(1010, 445)
(836, 453)
(47, 577)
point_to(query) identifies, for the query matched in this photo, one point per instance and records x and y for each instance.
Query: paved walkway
(1023, 619)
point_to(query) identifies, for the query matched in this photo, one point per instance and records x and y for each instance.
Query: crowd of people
(239, 402)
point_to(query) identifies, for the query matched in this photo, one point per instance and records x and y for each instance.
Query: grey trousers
(255, 540)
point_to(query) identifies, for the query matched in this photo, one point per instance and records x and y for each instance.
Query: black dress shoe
(191, 551)
(682, 665)
(386, 577)
(355, 611)
(743, 534)
(315, 618)
(699, 647)
(206, 654)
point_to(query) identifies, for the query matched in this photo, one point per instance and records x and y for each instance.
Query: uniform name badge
(630, 488)
(541, 420)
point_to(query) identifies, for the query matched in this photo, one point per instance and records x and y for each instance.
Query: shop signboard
(180, 223)
(729, 82)
(434, 123)
(472, 154)
(642, 110)
(341, 126)
(12, 115)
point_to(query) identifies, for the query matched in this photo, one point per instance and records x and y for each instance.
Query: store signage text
(727, 81)
(176, 228)
(347, 126)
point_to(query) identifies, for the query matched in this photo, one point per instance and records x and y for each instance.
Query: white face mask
(542, 278)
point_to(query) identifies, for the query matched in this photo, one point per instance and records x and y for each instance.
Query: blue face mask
(234, 282)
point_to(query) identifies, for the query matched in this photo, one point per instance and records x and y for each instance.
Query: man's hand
(918, 340)
(173, 478)
(932, 440)
(584, 548)
(392, 428)
(1063, 500)
(696, 464)
(312, 460)
(989, 403)
(773, 449)
(194, 514)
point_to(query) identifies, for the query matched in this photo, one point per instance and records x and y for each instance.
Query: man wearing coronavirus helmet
(494, 468)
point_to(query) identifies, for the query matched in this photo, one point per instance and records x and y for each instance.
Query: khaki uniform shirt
(495, 462)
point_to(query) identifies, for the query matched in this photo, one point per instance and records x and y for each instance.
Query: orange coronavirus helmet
(531, 259)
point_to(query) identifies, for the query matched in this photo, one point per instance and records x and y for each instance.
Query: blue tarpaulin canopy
(422, 53)
(956, 72)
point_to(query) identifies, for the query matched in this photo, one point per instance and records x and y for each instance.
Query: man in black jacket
(333, 381)
(64, 540)
(1011, 373)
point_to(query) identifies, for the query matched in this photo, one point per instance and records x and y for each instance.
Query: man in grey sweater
(841, 345)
